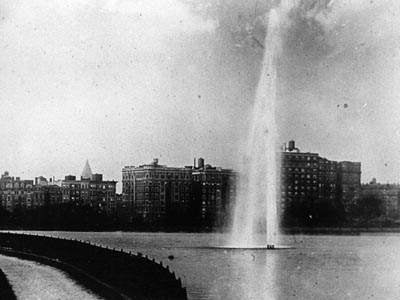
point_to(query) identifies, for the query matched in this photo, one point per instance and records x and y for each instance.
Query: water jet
(256, 205)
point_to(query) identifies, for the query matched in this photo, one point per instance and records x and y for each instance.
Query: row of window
(300, 157)
(92, 186)
(156, 175)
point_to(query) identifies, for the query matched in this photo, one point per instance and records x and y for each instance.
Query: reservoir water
(365, 266)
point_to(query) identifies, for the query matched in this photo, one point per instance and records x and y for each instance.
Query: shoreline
(283, 230)
(108, 272)
(81, 277)
(339, 230)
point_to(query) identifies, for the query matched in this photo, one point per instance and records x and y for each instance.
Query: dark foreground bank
(6, 293)
(110, 273)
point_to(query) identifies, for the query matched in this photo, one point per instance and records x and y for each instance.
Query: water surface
(320, 266)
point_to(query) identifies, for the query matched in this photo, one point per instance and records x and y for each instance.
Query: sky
(120, 82)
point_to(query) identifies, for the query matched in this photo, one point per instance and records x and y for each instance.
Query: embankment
(108, 272)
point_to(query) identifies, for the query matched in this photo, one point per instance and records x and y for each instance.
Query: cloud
(347, 54)
(308, 32)
(102, 80)
(304, 29)
(166, 15)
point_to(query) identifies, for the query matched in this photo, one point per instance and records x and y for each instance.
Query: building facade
(383, 200)
(90, 190)
(315, 187)
(300, 180)
(214, 192)
(349, 184)
(152, 191)
(191, 195)
(17, 193)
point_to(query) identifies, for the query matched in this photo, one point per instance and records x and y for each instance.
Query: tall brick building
(191, 195)
(151, 191)
(316, 185)
(214, 191)
(349, 184)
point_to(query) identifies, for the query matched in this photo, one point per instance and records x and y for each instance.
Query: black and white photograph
(199, 149)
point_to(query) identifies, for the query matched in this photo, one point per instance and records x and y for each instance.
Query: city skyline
(86, 169)
(122, 82)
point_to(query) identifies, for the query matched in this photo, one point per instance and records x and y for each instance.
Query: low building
(381, 200)
(46, 195)
(90, 190)
(16, 193)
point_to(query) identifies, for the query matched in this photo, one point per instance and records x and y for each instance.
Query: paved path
(33, 281)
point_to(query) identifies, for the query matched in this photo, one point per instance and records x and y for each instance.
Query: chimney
(200, 163)
(291, 145)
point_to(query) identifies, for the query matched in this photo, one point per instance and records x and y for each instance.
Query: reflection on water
(320, 267)
(258, 276)
(249, 275)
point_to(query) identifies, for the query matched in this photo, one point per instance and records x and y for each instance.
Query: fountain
(255, 208)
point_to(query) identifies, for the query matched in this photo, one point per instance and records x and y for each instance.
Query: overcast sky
(121, 82)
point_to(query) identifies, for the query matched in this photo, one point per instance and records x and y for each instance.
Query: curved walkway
(33, 281)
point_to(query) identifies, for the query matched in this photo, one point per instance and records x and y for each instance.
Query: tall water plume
(255, 208)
